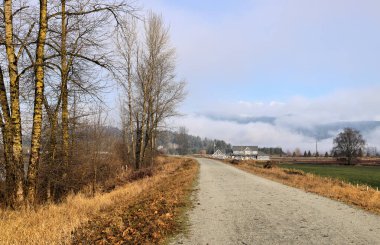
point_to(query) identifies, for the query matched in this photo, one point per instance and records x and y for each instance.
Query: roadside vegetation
(360, 196)
(363, 175)
(65, 53)
(143, 211)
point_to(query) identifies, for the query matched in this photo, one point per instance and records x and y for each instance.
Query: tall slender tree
(38, 105)
(156, 92)
(12, 132)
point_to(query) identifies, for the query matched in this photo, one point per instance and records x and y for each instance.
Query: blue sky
(318, 60)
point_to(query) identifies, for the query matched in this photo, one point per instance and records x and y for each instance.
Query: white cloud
(261, 134)
(320, 42)
(297, 113)
(349, 105)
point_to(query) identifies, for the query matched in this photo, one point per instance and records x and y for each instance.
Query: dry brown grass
(328, 187)
(54, 224)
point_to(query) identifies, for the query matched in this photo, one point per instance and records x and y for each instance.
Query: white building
(248, 152)
(261, 156)
(218, 154)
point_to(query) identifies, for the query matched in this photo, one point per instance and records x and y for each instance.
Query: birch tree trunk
(38, 104)
(17, 168)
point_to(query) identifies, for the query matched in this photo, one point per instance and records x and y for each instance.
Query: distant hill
(324, 131)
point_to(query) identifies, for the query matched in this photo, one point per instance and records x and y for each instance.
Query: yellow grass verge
(54, 224)
(328, 187)
(149, 219)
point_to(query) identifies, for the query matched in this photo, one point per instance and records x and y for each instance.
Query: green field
(354, 174)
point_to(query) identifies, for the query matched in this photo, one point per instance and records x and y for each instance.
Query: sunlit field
(365, 175)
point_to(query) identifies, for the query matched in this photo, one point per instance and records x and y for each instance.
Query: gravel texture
(235, 207)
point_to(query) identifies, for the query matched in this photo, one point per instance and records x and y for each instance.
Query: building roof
(218, 152)
(242, 148)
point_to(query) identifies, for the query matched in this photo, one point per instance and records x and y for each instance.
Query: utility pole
(316, 151)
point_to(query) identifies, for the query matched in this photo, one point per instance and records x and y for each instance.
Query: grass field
(367, 175)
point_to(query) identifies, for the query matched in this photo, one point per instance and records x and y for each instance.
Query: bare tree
(182, 141)
(80, 43)
(126, 42)
(155, 92)
(348, 144)
(74, 35)
(78, 51)
(15, 38)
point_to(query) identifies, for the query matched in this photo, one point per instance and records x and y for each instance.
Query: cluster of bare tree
(152, 92)
(51, 54)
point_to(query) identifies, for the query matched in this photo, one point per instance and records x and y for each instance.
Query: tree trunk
(17, 168)
(50, 161)
(138, 143)
(52, 155)
(152, 147)
(53, 139)
(9, 167)
(73, 127)
(6, 130)
(129, 94)
(38, 103)
(64, 81)
(142, 133)
(126, 143)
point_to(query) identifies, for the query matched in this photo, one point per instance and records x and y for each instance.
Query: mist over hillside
(284, 131)
(325, 131)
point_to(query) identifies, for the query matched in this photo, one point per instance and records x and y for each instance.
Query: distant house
(219, 154)
(245, 152)
(248, 152)
(262, 156)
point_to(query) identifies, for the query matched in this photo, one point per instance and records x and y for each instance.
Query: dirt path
(235, 207)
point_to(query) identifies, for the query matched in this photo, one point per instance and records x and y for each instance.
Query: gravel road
(235, 207)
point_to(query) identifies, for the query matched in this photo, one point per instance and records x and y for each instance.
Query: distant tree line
(182, 143)
(272, 150)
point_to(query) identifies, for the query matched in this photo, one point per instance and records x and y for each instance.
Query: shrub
(140, 174)
(268, 164)
(234, 161)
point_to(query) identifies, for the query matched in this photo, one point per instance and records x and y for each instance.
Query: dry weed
(328, 187)
(149, 219)
(54, 224)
